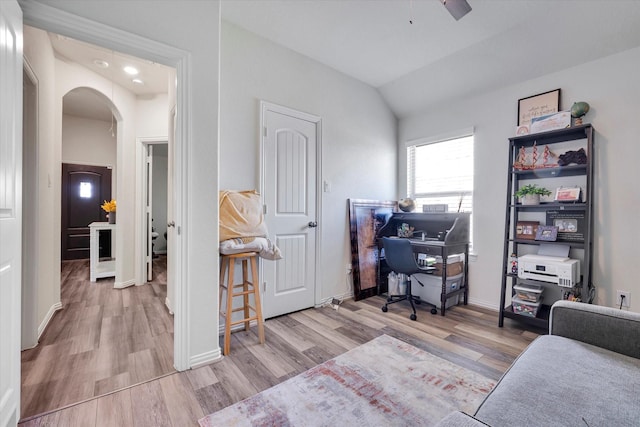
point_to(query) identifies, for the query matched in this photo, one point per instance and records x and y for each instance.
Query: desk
(435, 248)
(100, 267)
(452, 231)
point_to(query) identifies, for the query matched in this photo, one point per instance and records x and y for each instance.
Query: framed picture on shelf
(527, 229)
(547, 233)
(538, 105)
(567, 194)
(571, 224)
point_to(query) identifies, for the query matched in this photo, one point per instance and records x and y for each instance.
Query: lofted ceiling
(420, 65)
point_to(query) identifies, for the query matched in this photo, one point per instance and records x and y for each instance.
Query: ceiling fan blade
(457, 8)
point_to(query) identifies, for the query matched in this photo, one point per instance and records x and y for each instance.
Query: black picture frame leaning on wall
(570, 223)
(366, 217)
(538, 105)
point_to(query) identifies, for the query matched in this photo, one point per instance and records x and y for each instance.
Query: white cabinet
(105, 267)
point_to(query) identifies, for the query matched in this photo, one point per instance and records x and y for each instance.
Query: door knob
(171, 224)
(312, 224)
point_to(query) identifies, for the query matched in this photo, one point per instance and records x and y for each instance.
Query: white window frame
(456, 134)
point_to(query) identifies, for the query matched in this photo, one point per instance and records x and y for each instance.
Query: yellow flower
(109, 206)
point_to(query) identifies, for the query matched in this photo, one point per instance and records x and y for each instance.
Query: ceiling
(420, 65)
(84, 102)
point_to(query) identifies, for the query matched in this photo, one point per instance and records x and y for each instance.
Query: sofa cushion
(558, 381)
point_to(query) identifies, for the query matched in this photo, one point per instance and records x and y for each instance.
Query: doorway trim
(55, 20)
(317, 120)
(31, 332)
(142, 145)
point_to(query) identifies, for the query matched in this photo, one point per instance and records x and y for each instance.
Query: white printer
(562, 271)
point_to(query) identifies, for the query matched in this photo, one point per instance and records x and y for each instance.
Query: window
(85, 190)
(440, 171)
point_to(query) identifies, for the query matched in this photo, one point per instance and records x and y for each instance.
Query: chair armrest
(605, 327)
(460, 419)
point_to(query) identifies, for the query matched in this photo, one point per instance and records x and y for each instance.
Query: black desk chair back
(400, 259)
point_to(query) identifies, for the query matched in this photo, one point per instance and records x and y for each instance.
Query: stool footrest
(242, 309)
(248, 319)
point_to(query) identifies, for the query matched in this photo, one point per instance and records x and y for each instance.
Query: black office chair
(400, 259)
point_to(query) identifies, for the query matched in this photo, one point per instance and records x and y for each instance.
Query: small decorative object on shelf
(578, 110)
(547, 233)
(524, 161)
(514, 263)
(567, 194)
(527, 229)
(559, 120)
(579, 157)
(530, 194)
(110, 209)
(405, 230)
(407, 205)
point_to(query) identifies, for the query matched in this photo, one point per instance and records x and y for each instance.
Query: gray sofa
(585, 373)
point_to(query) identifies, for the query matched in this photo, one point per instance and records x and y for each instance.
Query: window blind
(441, 172)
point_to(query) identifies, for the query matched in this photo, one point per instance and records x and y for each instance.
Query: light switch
(327, 186)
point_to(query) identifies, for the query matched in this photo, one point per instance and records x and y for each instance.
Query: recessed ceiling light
(101, 63)
(130, 70)
(138, 81)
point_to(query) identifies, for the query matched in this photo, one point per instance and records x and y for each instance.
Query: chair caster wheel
(413, 316)
(384, 308)
(434, 311)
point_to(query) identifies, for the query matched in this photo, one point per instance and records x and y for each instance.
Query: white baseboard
(205, 358)
(236, 327)
(126, 284)
(484, 304)
(341, 297)
(55, 307)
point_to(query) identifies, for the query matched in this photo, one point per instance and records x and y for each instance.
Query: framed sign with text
(571, 224)
(538, 105)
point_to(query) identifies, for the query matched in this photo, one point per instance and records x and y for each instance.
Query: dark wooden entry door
(84, 188)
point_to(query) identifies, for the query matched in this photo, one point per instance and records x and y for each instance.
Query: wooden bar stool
(246, 288)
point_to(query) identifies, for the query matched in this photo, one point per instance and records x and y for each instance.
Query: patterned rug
(384, 382)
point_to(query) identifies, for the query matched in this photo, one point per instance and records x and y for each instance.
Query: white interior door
(10, 209)
(289, 155)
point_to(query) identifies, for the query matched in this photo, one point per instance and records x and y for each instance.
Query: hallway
(102, 340)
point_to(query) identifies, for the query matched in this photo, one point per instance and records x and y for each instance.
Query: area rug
(385, 382)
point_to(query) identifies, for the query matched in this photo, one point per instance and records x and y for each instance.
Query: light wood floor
(102, 340)
(467, 335)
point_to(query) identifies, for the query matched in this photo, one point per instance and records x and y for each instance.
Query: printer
(562, 271)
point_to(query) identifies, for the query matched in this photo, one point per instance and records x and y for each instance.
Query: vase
(530, 199)
(112, 217)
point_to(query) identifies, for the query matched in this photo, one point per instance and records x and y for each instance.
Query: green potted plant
(530, 194)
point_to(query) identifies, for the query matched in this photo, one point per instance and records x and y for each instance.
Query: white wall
(151, 116)
(39, 53)
(358, 134)
(609, 85)
(89, 142)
